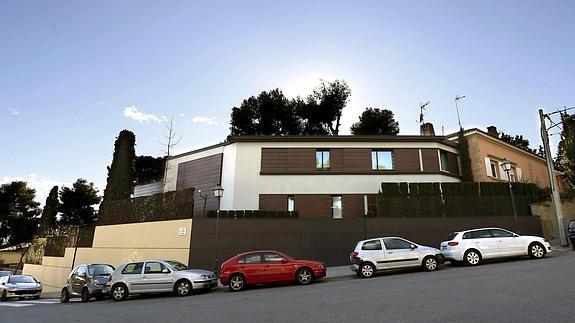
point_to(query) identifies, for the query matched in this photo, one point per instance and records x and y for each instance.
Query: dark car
(87, 281)
(267, 266)
(571, 233)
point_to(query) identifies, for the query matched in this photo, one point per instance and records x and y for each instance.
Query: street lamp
(506, 165)
(218, 193)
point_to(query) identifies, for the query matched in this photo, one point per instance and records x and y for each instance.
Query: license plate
(443, 247)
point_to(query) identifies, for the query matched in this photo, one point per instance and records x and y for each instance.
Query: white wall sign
(182, 231)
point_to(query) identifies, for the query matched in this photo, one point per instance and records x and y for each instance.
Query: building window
(291, 203)
(444, 162)
(382, 160)
(322, 159)
(336, 207)
(494, 167)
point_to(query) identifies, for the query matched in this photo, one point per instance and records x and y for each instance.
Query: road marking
(45, 301)
(31, 302)
(15, 304)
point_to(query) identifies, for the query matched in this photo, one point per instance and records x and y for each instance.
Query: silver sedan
(19, 286)
(157, 276)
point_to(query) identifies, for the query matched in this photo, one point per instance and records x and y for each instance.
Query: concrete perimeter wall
(116, 244)
(328, 240)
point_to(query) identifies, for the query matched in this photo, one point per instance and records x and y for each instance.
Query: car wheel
(85, 296)
(64, 296)
(183, 287)
(237, 283)
(3, 297)
(472, 257)
(304, 276)
(430, 263)
(536, 250)
(119, 292)
(366, 270)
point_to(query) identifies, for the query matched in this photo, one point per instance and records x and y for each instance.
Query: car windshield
(572, 225)
(4, 273)
(177, 266)
(20, 279)
(100, 270)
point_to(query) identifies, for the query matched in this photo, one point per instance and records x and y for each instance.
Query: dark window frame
(442, 154)
(333, 208)
(323, 160)
(377, 163)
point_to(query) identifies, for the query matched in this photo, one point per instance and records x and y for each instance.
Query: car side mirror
(413, 246)
(284, 261)
(165, 271)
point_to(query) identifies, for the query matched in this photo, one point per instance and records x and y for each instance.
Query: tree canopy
(49, 213)
(565, 158)
(374, 121)
(149, 169)
(272, 113)
(518, 141)
(76, 206)
(122, 171)
(18, 213)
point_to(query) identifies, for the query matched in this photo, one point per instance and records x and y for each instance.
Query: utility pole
(457, 98)
(555, 199)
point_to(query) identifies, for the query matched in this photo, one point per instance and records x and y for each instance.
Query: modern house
(318, 176)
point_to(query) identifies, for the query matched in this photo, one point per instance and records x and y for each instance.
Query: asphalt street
(505, 291)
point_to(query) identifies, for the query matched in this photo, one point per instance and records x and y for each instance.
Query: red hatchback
(266, 266)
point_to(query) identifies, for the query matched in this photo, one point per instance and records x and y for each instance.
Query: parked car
(372, 255)
(268, 266)
(473, 246)
(157, 276)
(571, 233)
(20, 286)
(5, 273)
(87, 281)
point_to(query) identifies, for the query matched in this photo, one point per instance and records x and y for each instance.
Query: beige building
(487, 151)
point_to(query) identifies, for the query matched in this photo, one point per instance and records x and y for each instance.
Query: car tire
(472, 257)
(536, 250)
(304, 276)
(119, 292)
(430, 263)
(237, 282)
(64, 296)
(3, 297)
(85, 295)
(366, 270)
(183, 287)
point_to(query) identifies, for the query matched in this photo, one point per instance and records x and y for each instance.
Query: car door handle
(390, 252)
(499, 240)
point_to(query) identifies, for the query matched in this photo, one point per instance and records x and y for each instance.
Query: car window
(477, 234)
(254, 258)
(81, 271)
(572, 225)
(497, 233)
(133, 268)
(451, 236)
(394, 243)
(371, 245)
(177, 266)
(100, 270)
(154, 267)
(272, 257)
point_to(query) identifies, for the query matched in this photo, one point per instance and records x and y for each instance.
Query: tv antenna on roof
(421, 109)
(457, 98)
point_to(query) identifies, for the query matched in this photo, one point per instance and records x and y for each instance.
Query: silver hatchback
(158, 276)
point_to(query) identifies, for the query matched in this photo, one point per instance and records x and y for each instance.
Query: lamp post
(507, 168)
(205, 197)
(218, 193)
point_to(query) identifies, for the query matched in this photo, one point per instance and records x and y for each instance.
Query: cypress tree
(49, 213)
(466, 174)
(122, 172)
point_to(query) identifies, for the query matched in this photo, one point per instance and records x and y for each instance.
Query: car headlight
(320, 266)
(205, 277)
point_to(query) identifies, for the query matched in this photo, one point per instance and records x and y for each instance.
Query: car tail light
(354, 254)
(453, 243)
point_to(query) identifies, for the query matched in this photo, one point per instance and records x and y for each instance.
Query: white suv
(472, 246)
(384, 253)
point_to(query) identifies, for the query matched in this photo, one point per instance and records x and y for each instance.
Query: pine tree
(49, 213)
(466, 173)
(122, 172)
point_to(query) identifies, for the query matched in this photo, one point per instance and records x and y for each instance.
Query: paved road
(509, 291)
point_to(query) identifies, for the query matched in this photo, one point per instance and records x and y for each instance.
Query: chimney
(426, 129)
(492, 130)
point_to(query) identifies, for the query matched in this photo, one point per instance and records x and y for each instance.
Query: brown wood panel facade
(285, 161)
(202, 174)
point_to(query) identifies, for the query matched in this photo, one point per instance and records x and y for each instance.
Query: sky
(73, 74)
